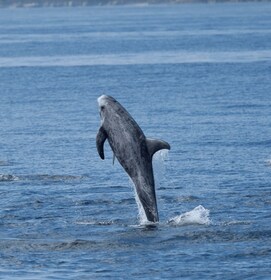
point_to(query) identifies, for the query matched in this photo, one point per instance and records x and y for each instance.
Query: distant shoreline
(85, 3)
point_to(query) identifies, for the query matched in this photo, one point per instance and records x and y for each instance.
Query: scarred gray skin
(132, 149)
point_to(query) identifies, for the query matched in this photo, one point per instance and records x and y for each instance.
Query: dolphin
(132, 149)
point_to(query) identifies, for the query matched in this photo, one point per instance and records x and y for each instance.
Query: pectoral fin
(100, 139)
(156, 145)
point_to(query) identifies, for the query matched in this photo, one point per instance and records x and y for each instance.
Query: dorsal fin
(100, 139)
(155, 145)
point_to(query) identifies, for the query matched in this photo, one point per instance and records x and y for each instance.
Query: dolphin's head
(108, 106)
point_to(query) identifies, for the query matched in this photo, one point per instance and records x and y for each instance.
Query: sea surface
(195, 75)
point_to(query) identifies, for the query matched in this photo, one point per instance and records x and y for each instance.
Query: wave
(162, 57)
(55, 178)
(96, 223)
(39, 177)
(4, 163)
(45, 245)
(8, 178)
(137, 35)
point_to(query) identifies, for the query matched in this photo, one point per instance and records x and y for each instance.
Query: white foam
(197, 216)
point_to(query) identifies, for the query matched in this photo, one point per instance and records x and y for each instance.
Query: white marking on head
(102, 100)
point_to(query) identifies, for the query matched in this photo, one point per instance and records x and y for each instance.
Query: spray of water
(141, 213)
(197, 216)
(159, 170)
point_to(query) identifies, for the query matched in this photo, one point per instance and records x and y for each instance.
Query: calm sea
(197, 76)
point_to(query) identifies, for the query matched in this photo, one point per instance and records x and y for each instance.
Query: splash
(159, 167)
(141, 213)
(159, 170)
(143, 221)
(161, 155)
(197, 216)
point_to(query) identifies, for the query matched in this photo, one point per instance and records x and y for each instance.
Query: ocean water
(197, 76)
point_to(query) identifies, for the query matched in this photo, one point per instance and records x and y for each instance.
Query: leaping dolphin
(132, 149)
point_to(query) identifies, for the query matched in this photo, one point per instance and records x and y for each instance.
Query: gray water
(197, 76)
